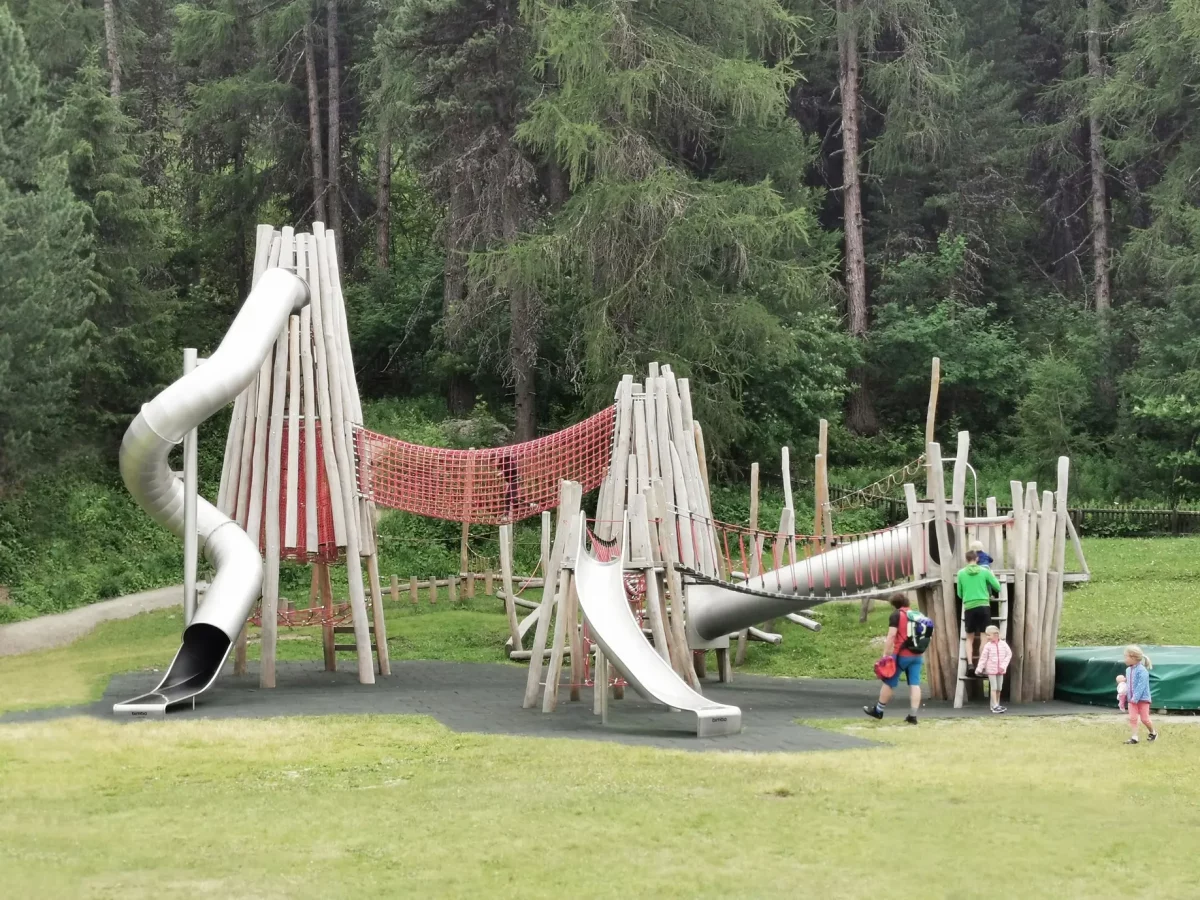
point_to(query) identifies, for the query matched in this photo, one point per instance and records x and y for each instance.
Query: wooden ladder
(352, 648)
(1000, 620)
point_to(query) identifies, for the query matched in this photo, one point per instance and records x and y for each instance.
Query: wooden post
(1016, 627)
(412, 589)
(948, 628)
(433, 591)
(641, 556)
(452, 590)
(959, 497)
(1045, 603)
(325, 589)
(545, 546)
(574, 641)
(470, 585)
(381, 647)
(568, 508)
(1058, 561)
(554, 666)
(291, 524)
(935, 380)
(684, 666)
(506, 580)
(395, 588)
(273, 475)
(744, 634)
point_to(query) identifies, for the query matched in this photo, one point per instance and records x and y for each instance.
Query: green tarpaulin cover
(1088, 675)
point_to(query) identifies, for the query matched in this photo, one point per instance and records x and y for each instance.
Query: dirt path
(46, 632)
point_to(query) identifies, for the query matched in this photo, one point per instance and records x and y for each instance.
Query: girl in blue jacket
(1137, 676)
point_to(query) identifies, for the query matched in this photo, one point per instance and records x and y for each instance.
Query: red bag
(885, 668)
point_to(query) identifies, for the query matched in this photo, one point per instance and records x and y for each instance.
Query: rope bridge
(493, 486)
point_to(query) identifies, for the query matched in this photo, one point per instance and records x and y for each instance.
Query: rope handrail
(876, 490)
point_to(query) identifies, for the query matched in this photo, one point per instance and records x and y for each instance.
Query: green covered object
(1089, 675)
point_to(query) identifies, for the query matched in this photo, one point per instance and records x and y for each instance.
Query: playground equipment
(302, 478)
(163, 423)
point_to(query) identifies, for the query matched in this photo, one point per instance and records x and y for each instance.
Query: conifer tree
(132, 312)
(45, 272)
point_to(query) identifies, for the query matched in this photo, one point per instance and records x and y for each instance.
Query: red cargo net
(485, 487)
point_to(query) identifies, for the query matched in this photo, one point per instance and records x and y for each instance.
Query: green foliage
(45, 272)
(133, 311)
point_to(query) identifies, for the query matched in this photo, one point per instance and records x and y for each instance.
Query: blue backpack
(917, 629)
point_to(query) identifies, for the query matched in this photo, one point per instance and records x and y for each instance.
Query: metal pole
(190, 493)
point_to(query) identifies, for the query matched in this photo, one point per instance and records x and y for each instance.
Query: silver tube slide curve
(714, 611)
(163, 423)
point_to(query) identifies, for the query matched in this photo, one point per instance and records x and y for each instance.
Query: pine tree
(132, 312)
(676, 244)
(45, 272)
(459, 89)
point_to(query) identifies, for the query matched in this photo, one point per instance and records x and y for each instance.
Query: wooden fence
(1094, 521)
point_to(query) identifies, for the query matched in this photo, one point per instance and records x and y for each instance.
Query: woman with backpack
(907, 638)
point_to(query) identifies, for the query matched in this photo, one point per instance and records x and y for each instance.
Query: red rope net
(484, 487)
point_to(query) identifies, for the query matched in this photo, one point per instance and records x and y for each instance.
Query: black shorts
(977, 619)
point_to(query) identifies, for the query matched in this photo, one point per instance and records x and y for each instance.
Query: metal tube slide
(163, 423)
(715, 611)
(601, 591)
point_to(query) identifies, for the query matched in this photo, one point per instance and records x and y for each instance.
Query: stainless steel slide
(601, 592)
(715, 611)
(162, 423)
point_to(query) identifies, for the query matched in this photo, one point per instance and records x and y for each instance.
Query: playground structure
(304, 477)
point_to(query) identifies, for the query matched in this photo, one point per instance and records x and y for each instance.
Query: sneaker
(1153, 736)
(1132, 741)
(873, 711)
(910, 719)
(999, 709)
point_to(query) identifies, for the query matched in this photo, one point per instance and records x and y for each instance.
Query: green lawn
(400, 807)
(387, 806)
(1145, 590)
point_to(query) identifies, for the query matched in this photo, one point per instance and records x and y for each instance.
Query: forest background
(797, 203)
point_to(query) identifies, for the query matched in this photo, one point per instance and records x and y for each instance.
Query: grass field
(1145, 591)
(400, 807)
(387, 806)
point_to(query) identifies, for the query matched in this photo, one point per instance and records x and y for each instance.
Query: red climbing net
(485, 487)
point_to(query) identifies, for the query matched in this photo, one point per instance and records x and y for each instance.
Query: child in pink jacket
(994, 657)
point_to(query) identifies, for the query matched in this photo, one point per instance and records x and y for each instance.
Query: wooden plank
(554, 666)
(641, 445)
(662, 419)
(916, 537)
(721, 569)
(639, 550)
(380, 629)
(574, 642)
(570, 496)
(506, 581)
(1045, 603)
(1019, 546)
(947, 627)
(291, 528)
(607, 528)
(676, 640)
(654, 458)
(343, 468)
(545, 545)
(1058, 564)
(935, 380)
(309, 400)
(274, 476)
(678, 611)
(683, 511)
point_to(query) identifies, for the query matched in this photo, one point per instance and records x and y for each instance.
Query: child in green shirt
(975, 584)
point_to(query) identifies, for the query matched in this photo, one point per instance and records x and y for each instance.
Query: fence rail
(1094, 521)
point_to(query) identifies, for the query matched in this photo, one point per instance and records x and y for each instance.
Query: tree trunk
(334, 62)
(112, 41)
(314, 127)
(523, 348)
(861, 413)
(1101, 261)
(383, 201)
(460, 390)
